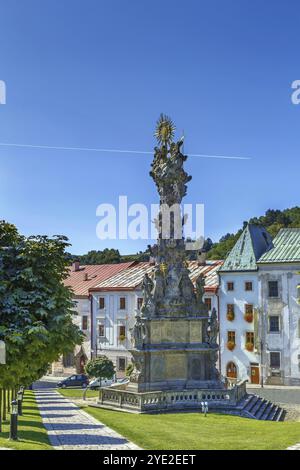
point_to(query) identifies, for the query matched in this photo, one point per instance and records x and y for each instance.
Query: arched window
(231, 370)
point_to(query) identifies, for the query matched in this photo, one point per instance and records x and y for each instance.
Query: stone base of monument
(222, 400)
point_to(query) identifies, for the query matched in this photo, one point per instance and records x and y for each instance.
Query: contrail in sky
(86, 149)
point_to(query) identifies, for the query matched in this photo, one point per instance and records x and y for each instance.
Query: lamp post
(20, 401)
(13, 433)
(204, 405)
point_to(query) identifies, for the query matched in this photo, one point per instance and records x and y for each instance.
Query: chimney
(85, 277)
(76, 266)
(202, 258)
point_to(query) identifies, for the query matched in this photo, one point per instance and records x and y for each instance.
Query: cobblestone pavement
(69, 427)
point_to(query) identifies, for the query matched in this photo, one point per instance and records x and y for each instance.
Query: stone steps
(256, 407)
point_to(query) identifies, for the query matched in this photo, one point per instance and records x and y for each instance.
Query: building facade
(80, 280)
(279, 299)
(259, 308)
(239, 304)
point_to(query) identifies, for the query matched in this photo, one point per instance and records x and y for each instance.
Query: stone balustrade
(168, 400)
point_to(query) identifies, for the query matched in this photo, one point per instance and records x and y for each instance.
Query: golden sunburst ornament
(165, 129)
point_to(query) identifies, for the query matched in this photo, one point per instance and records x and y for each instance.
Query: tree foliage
(100, 368)
(108, 256)
(273, 221)
(36, 309)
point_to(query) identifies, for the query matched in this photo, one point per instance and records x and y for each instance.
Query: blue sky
(98, 73)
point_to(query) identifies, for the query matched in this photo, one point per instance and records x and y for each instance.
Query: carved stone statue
(213, 327)
(200, 291)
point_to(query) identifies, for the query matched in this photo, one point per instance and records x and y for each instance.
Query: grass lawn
(31, 432)
(191, 431)
(77, 392)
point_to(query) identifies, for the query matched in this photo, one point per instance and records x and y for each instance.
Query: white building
(238, 294)
(259, 309)
(279, 294)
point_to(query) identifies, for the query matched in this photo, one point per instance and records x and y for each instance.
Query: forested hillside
(273, 221)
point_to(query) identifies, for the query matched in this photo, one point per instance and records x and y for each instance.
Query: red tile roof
(91, 275)
(131, 278)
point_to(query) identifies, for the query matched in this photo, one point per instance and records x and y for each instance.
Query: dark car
(76, 380)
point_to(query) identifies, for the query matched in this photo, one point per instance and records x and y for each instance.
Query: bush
(230, 345)
(248, 317)
(100, 368)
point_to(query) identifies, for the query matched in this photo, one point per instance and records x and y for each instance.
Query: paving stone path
(69, 427)
(295, 447)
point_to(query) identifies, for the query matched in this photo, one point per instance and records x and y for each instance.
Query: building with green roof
(259, 308)
(279, 300)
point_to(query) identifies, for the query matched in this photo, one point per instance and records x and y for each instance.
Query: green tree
(100, 368)
(36, 309)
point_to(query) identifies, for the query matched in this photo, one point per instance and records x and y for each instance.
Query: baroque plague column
(174, 340)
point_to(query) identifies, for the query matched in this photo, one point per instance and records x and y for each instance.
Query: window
(101, 330)
(121, 364)
(274, 324)
(230, 286)
(122, 304)
(230, 309)
(207, 302)
(84, 323)
(275, 360)
(231, 336)
(140, 302)
(248, 286)
(250, 337)
(249, 341)
(122, 332)
(273, 288)
(230, 312)
(231, 370)
(101, 303)
(249, 309)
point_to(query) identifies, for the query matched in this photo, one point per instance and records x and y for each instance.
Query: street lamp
(204, 405)
(20, 401)
(2, 353)
(13, 434)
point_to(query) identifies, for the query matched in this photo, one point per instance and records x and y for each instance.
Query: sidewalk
(70, 428)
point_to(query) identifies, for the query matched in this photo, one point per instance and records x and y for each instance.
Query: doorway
(255, 379)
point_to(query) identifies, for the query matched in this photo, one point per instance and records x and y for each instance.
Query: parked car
(76, 380)
(95, 384)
